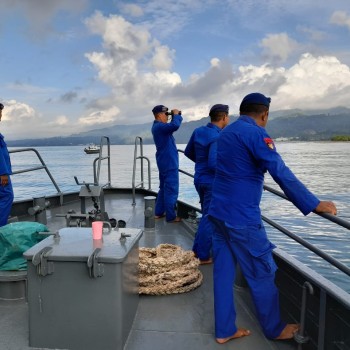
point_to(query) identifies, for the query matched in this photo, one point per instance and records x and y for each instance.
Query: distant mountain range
(290, 124)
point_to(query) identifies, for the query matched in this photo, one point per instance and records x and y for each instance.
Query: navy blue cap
(159, 109)
(256, 99)
(219, 108)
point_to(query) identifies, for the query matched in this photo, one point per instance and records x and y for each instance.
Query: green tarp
(15, 239)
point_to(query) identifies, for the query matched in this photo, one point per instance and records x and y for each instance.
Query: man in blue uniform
(245, 152)
(6, 191)
(167, 161)
(201, 149)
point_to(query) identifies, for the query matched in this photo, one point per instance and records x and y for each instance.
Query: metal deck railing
(98, 160)
(104, 141)
(141, 157)
(340, 222)
(96, 166)
(43, 166)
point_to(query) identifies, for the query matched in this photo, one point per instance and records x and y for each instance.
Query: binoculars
(171, 113)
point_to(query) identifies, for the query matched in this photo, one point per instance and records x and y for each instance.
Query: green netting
(15, 239)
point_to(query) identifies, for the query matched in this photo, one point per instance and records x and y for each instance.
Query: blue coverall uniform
(201, 149)
(245, 152)
(168, 166)
(6, 192)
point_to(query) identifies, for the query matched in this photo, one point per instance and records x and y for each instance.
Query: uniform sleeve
(212, 155)
(3, 167)
(173, 125)
(269, 159)
(5, 163)
(190, 151)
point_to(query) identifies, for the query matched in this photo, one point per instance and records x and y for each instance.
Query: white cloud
(39, 14)
(312, 33)
(16, 113)
(30, 89)
(100, 117)
(314, 82)
(22, 121)
(121, 38)
(125, 47)
(167, 17)
(132, 10)
(163, 58)
(135, 66)
(251, 75)
(340, 18)
(61, 120)
(214, 62)
(278, 46)
(197, 112)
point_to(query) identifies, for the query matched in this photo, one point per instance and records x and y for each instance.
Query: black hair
(216, 116)
(253, 108)
(1, 106)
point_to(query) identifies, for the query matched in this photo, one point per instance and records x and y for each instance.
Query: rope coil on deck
(168, 269)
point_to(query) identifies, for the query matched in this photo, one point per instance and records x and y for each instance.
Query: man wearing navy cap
(6, 191)
(167, 161)
(244, 153)
(201, 149)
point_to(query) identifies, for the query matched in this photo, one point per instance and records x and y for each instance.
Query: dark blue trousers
(167, 194)
(203, 240)
(6, 199)
(250, 248)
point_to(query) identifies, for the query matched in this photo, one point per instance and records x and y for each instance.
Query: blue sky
(70, 66)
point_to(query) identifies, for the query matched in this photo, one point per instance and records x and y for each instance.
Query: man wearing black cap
(201, 149)
(6, 191)
(167, 161)
(245, 152)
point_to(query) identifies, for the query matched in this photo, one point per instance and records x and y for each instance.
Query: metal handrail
(141, 157)
(317, 251)
(99, 159)
(330, 217)
(183, 171)
(43, 166)
(309, 246)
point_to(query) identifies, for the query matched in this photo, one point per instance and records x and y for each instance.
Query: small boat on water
(92, 148)
(81, 294)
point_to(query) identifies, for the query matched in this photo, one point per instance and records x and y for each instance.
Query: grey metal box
(83, 294)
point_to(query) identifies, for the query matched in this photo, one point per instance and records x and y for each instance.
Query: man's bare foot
(241, 332)
(205, 262)
(288, 332)
(159, 216)
(177, 219)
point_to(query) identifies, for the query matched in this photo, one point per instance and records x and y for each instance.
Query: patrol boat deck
(162, 322)
(187, 320)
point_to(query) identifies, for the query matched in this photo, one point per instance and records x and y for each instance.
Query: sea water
(324, 167)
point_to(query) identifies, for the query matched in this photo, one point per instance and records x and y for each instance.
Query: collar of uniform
(248, 119)
(213, 126)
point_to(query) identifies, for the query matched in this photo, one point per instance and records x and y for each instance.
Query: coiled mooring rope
(168, 269)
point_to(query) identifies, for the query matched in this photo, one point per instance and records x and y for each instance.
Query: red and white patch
(269, 143)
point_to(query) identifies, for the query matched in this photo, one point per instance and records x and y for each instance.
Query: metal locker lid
(76, 244)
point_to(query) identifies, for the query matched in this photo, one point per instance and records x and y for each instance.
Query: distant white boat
(92, 148)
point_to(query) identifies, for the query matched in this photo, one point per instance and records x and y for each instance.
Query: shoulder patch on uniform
(269, 143)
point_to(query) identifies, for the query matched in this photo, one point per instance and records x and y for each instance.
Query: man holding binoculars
(167, 161)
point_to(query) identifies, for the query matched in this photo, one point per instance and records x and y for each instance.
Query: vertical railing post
(141, 157)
